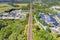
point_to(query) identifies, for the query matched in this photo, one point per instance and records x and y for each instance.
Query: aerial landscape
(29, 19)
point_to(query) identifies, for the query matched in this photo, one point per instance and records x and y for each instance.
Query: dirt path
(30, 24)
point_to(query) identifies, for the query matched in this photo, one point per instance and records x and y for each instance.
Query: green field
(13, 29)
(6, 6)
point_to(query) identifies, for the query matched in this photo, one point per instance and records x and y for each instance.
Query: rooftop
(13, 15)
(49, 19)
(58, 15)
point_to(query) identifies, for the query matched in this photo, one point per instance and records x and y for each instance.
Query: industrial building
(17, 14)
(49, 19)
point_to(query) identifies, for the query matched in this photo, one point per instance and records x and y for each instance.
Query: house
(48, 19)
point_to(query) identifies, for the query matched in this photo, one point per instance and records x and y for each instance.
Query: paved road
(30, 24)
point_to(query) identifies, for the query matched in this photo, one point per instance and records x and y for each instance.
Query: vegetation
(13, 29)
(4, 7)
(7, 6)
(39, 34)
(43, 8)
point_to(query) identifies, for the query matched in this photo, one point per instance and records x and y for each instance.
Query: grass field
(6, 6)
(22, 4)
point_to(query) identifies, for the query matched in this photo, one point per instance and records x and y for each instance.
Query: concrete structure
(40, 25)
(54, 7)
(55, 30)
(37, 1)
(17, 14)
(57, 17)
(49, 19)
(4, 1)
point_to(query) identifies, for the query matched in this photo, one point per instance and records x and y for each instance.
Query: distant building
(4, 1)
(55, 7)
(17, 14)
(49, 19)
(37, 1)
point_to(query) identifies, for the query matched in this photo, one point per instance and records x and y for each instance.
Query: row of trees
(44, 8)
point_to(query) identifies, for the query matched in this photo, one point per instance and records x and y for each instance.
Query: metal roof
(58, 15)
(49, 19)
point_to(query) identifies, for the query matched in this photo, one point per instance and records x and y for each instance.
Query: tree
(48, 30)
